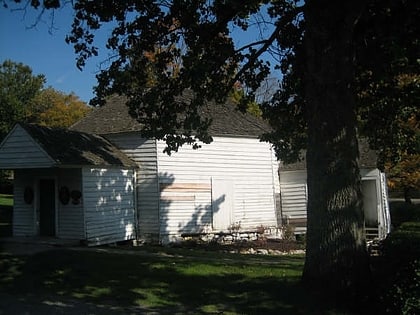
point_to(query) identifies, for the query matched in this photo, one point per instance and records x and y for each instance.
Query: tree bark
(336, 256)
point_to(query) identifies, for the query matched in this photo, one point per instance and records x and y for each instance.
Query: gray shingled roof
(113, 117)
(367, 158)
(68, 147)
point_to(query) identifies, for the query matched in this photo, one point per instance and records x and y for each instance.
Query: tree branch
(250, 45)
(257, 54)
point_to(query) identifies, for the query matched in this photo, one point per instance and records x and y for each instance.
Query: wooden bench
(296, 222)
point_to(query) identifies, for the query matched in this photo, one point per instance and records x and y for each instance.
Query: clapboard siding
(143, 152)
(19, 150)
(108, 199)
(293, 200)
(245, 163)
(184, 208)
(293, 192)
(23, 214)
(71, 216)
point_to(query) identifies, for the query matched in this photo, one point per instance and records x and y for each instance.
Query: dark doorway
(47, 207)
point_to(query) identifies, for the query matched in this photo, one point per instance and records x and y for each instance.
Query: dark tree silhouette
(324, 50)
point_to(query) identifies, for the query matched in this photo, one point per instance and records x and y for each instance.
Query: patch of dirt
(264, 246)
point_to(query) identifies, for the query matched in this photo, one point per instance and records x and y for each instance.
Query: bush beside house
(399, 274)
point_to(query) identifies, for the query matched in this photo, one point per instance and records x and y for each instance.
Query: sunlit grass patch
(90, 291)
(198, 283)
(246, 270)
(6, 200)
(10, 268)
(154, 297)
(215, 309)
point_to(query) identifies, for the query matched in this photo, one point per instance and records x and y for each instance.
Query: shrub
(404, 212)
(403, 296)
(289, 232)
(401, 270)
(404, 242)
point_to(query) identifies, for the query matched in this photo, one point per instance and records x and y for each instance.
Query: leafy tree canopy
(341, 63)
(388, 78)
(196, 36)
(17, 86)
(56, 109)
(23, 98)
(404, 174)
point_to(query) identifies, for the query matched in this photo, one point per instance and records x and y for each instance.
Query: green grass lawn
(6, 200)
(6, 208)
(202, 283)
(177, 280)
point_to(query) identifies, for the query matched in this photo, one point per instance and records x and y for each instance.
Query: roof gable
(113, 117)
(62, 147)
(19, 150)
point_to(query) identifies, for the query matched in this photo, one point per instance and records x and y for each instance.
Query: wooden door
(47, 207)
(370, 202)
(222, 204)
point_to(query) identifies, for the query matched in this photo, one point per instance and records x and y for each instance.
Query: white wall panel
(143, 152)
(19, 150)
(70, 216)
(108, 199)
(23, 213)
(245, 163)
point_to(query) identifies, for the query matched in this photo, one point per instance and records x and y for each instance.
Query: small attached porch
(69, 185)
(46, 203)
(375, 204)
(294, 197)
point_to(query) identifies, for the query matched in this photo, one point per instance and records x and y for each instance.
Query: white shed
(229, 185)
(293, 195)
(69, 185)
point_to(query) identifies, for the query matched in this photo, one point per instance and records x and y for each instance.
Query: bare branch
(251, 45)
(51, 19)
(254, 57)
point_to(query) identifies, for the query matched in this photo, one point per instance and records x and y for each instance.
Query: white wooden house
(293, 192)
(229, 184)
(102, 182)
(69, 185)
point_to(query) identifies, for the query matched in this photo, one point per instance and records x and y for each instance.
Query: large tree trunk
(336, 257)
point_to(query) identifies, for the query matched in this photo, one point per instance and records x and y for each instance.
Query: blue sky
(47, 52)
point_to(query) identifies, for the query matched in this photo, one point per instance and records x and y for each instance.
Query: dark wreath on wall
(64, 195)
(28, 195)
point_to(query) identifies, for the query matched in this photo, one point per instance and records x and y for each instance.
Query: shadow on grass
(163, 284)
